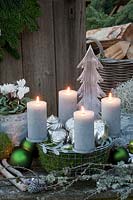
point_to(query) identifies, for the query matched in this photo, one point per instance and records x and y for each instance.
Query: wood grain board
(50, 55)
(118, 50)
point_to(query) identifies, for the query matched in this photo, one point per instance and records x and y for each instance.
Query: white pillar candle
(110, 107)
(67, 104)
(84, 131)
(37, 118)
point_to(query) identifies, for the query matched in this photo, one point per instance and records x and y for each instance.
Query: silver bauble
(53, 123)
(100, 129)
(69, 124)
(100, 132)
(71, 135)
(58, 135)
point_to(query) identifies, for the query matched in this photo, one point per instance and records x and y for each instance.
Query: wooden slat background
(50, 55)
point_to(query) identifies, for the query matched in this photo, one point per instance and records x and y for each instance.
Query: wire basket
(114, 71)
(52, 162)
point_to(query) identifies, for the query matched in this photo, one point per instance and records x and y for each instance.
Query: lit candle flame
(82, 109)
(68, 89)
(110, 96)
(37, 99)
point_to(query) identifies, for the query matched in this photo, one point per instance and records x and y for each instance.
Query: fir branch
(15, 16)
(97, 14)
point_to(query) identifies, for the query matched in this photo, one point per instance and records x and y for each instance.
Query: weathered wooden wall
(50, 55)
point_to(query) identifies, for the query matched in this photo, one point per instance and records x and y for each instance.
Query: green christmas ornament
(119, 154)
(130, 147)
(21, 157)
(27, 145)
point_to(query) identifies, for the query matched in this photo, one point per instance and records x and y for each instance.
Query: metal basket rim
(96, 150)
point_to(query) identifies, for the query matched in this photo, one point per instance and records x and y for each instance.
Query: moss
(5, 146)
(51, 162)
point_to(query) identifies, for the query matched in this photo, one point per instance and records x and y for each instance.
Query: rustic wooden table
(77, 192)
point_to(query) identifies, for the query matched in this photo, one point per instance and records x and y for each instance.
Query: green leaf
(2, 100)
(13, 103)
(21, 108)
(25, 100)
(5, 103)
(4, 111)
(14, 110)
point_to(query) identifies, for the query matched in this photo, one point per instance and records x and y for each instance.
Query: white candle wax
(37, 120)
(110, 107)
(84, 131)
(67, 104)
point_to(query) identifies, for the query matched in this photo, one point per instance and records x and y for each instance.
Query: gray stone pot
(15, 126)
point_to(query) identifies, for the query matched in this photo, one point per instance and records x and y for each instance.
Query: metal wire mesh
(51, 162)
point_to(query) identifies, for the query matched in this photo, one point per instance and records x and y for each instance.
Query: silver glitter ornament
(69, 124)
(58, 135)
(100, 129)
(53, 123)
(71, 135)
(100, 132)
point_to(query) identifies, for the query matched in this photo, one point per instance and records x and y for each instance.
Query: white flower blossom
(13, 94)
(8, 88)
(22, 91)
(21, 83)
(15, 90)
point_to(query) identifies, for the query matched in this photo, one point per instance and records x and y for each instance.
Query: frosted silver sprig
(125, 92)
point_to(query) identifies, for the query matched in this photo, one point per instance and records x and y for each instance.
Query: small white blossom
(22, 91)
(8, 88)
(21, 83)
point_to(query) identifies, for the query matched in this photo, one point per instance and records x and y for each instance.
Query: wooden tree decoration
(90, 91)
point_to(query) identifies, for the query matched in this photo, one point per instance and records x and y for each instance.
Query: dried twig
(12, 179)
(13, 170)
